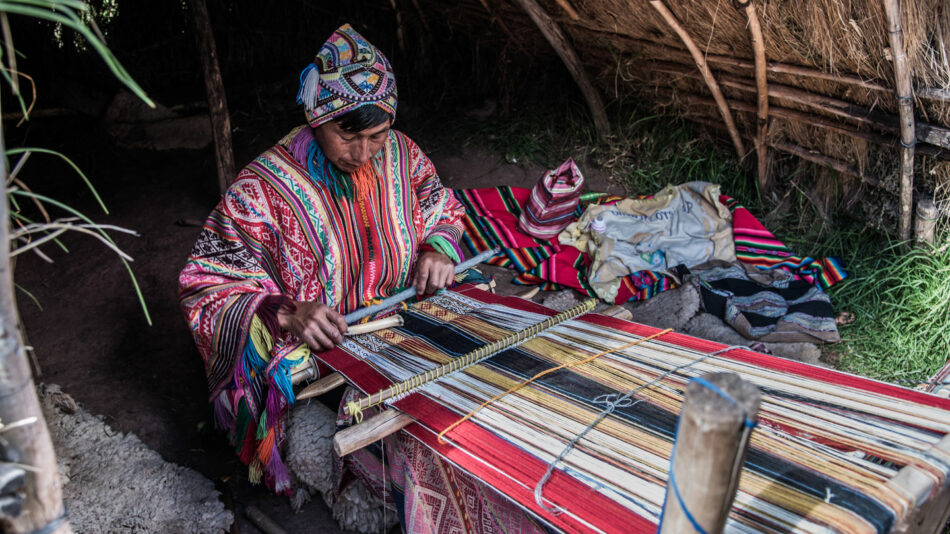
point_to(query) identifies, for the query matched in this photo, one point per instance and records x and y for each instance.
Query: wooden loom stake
(552, 32)
(711, 83)
(390, 421)
(762, 125)
(905, 104)
(711, 441)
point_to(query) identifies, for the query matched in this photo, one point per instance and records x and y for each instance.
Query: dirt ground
(91, 337)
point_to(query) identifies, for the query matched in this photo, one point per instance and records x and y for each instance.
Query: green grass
(901, 302)
(900, 298)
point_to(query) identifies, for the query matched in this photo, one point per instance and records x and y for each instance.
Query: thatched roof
(831, 71)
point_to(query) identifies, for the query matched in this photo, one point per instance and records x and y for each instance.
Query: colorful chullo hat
(347, 73)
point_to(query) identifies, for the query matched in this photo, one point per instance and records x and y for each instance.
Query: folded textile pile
(492, 220)
(681, 225)
(770, 306)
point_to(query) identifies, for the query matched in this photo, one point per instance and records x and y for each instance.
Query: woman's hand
(317, 325)
(434, 271)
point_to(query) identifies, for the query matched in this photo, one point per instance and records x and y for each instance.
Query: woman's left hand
(434, 271)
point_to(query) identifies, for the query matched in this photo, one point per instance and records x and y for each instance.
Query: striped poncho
(282, 233)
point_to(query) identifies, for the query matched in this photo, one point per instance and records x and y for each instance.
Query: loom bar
(325, 384)
(373, 429)
(485, 351)
(410, 292)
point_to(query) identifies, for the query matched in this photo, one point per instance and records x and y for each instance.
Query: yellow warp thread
(355, 408)
(542, 373)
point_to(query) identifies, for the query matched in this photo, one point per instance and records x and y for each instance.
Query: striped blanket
(820, 460)
(492, 220)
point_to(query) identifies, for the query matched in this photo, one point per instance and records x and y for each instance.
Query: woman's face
(349, 151)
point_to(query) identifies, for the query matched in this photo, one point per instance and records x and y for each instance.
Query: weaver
(822, 459)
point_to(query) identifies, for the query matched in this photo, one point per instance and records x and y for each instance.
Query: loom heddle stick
(410, 292)
(325, 384)
(355, 408)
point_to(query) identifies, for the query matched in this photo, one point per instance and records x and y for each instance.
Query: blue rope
(747, 424)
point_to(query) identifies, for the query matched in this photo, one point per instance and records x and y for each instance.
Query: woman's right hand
(318, 325)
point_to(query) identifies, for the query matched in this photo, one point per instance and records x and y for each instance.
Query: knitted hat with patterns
(347, 73)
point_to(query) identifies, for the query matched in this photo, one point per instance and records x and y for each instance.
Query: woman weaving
(342, 211)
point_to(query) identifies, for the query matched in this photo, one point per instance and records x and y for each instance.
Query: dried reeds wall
(831, 83)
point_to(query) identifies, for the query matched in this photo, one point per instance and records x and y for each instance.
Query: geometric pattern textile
(826, 445)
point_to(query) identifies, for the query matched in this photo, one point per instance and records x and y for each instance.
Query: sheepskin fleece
(114, 483)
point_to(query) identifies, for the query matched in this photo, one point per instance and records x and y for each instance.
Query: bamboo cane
(708, 77)
(552, 32)
(905, 105)
(762, 124)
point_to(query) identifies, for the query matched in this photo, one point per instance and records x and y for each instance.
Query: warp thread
(611, 405)
(355, 408)
(539, 375)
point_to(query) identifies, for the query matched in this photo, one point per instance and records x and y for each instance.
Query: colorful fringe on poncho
(282, 233)
(492, 220)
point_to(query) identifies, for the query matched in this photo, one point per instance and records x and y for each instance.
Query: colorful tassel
(309, 87)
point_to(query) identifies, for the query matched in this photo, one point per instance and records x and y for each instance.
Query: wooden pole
(762, 97)
(929, 93)
(552, 32)
(925, 222)
(812, 156)
(905, 105)
(43, 504)
(821, 122)
(371, 430)
(936, 135)
(711, 441)
(704, 69)
(217, 100)
(325, 384)
(568, 9)
(262, 521)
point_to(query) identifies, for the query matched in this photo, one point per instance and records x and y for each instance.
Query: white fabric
(680, 225)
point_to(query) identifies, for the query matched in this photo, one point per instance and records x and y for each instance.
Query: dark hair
(362, 118)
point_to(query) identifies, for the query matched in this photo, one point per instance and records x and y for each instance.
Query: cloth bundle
(681, 225)
(770, 306)
(550, 207)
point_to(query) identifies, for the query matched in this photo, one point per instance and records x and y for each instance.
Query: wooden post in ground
(762, 98)
(710, 448)
(43, 506)
(214, 88)
(925, 222)
(552, 32)
(905, 105)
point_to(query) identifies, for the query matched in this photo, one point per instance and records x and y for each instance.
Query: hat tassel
(309, 86)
